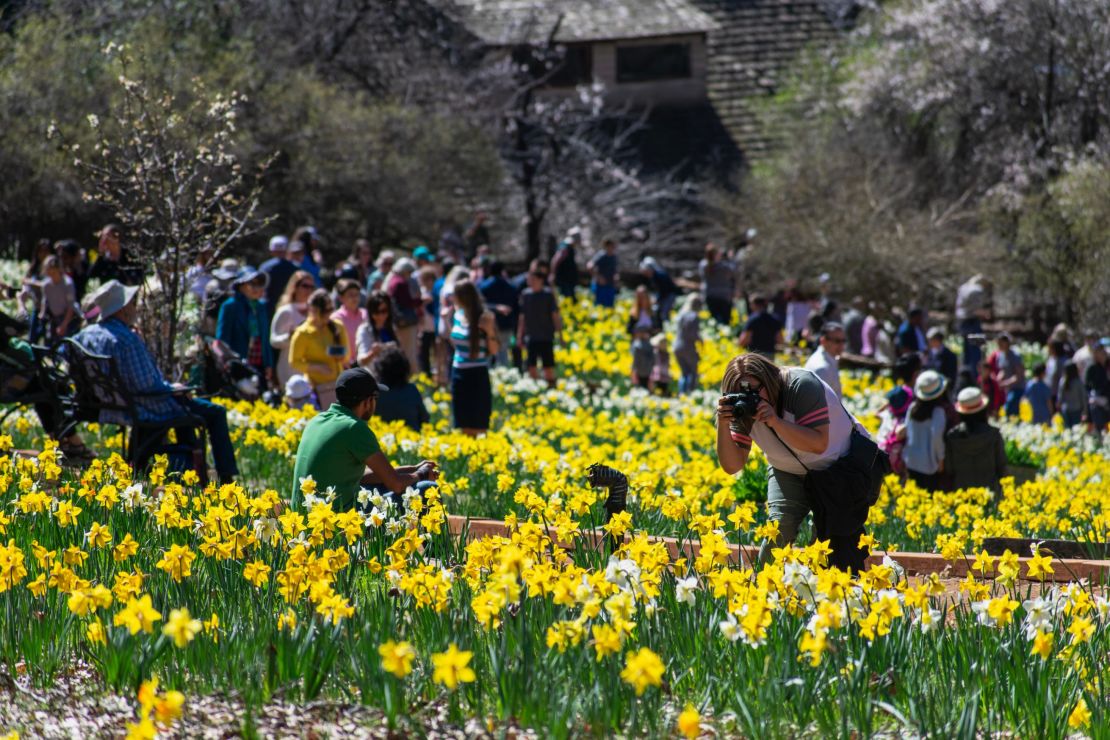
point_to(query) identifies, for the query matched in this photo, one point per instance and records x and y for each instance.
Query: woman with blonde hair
(291, 311)
(474, 338)
(318, 349)
(798, 423)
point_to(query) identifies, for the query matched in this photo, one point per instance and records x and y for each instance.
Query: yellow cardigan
(310, 345)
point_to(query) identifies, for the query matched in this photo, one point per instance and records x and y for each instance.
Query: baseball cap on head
(356, 385)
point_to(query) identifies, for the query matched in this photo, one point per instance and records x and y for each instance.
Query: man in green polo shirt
(339, 451)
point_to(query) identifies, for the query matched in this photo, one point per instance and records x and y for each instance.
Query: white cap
(279, 243)
(298, 388)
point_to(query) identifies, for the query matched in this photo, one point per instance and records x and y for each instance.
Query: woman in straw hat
(975, 454)
(925, 427)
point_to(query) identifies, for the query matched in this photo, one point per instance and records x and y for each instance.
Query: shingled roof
(503, 22)
(749, 52)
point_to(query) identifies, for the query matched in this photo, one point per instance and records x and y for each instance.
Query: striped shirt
(460, 339)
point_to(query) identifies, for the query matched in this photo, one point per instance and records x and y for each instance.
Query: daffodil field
(167, 591)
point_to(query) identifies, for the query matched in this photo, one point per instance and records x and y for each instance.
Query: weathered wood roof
(749, 53)
(504, 22)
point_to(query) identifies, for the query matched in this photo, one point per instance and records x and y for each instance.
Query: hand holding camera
(744, 404)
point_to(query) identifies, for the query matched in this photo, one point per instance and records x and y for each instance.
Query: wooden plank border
(914, 563)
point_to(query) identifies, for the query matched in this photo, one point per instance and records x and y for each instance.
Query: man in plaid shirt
(113, 336)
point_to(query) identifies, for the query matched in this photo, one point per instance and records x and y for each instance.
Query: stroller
(227, 374)
(34, 376)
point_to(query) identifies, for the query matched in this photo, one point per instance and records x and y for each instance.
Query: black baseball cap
(356, 385)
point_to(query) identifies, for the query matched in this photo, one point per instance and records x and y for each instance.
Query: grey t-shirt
(687, 334)
(810, 403)
(539, 307)
(58, 297)
(718, 279)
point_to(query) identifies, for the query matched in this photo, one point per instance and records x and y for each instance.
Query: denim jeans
(215, 422)
(1013, 401)
(604, 295)
(973, 353)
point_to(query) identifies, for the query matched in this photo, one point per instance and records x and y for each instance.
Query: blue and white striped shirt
(460, 339)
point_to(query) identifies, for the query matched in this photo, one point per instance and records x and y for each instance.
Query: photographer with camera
(810, 444)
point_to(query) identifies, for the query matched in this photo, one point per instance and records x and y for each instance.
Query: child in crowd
(686, 340)
(661, 366)
(350, 313)
(59, 301)
(1037, 393)
(992, 391)
(926, 424)
(540, 323)
(642, 325)
(1071, 396)
(298, 392)
(892, 429)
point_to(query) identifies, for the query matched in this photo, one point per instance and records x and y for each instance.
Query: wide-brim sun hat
(929, 385)
(250, 274)
(111, 297)
(971, 401)
(228, 269)
(423, 253)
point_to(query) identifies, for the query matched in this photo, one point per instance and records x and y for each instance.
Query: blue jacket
(233, 326)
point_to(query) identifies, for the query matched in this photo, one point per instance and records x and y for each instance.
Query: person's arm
(282, 328)
(801, 438)
(745, 338)
(298, 353)
(138, 369)
(398, 479)
(486, 324)
(366, 348)
(557, 320)
(520, 330)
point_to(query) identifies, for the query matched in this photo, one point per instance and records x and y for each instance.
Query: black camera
(744, 403)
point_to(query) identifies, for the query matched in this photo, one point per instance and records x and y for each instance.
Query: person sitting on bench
(113, 336)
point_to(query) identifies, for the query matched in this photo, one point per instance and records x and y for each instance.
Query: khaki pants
(325, 395)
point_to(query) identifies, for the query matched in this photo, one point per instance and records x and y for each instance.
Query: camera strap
(851, 430)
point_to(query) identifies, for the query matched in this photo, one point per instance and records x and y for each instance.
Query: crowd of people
(348, 339)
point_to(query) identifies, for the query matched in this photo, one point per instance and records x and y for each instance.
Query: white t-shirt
(809, 401)
(825, 367)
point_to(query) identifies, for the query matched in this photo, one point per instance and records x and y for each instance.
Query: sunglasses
(380, 311)
(306, 286)
(838, 340)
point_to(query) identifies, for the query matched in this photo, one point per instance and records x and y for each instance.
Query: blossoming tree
(165, 166)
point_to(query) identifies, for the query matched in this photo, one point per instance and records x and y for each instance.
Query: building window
(653, 62)
(576, 68)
